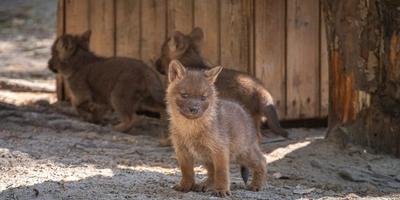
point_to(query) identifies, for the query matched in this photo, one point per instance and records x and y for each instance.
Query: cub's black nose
(50, 65)
(194, 110)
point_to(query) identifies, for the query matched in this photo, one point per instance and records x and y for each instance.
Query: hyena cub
(95, 82)
(210, 130)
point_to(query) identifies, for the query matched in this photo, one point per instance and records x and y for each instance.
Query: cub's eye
(184, 95)
(203, 97)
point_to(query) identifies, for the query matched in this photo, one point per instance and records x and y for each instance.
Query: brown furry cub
(95, 82)
(231, 84)
(209, 130)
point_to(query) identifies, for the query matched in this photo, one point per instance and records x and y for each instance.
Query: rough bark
(364, 60)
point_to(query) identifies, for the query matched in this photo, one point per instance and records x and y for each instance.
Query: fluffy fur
(98, 83)
(232, 85)
(210, 130)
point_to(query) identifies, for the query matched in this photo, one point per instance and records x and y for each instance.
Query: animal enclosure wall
(282, 42)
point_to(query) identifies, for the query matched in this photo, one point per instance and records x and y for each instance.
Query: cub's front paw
(222, 192)
(183, 188)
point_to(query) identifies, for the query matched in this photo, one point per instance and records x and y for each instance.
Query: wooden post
(60, 30)
(364, 62)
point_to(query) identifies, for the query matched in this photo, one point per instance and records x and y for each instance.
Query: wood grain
(180, 16)
(153, 29)
(127, 36)
(324, 71)
(303, 59)
(103, 27)
(60, 31)
(206, 17)
(270, 49)
(77, 16)
(280, 42)
(234, 35)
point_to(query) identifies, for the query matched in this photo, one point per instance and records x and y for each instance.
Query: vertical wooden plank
(127, 36)
(324, 70)
(250, 16)
(234, 35)
(60, 17)
(206, 16)
(102, 26)
(60, 31)
(77, 16)
(303, 59)
(153, 29)
(180, 16)
(270, 49)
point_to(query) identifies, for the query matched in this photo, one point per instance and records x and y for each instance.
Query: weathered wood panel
(250, 17)
(77, 16)
(303, 58)
(60, 17)
(60, 30)
(180, 16)
(280, 42)
(234, 35)
(102, 25)
(206, 16)
(270, 48)
(153, 29)
(127, 36)
(324, 66)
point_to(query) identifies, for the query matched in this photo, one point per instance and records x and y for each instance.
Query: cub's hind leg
(125, 106)
(257, 162)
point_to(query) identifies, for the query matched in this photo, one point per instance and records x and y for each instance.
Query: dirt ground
(47, 152)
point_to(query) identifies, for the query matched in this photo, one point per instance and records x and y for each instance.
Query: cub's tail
(273, 121)
(270, 112)
(244, 172)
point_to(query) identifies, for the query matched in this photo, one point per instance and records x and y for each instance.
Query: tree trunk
(364, 59)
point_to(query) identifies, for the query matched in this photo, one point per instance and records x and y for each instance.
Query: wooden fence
(282, 42)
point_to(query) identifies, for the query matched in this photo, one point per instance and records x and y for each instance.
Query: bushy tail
(244, 172)
(269, 111)
(273, 121)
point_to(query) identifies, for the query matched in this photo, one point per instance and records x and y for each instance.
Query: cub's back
(236, 123)
(111, 68)
(239, 86)
(103, 75)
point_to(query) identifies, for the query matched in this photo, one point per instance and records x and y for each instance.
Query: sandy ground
(47, 152)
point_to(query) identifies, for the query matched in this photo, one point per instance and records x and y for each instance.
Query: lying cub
(95, 82)
(210, 130)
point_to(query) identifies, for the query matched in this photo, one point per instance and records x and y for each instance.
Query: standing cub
(95, 82)
(209, 130)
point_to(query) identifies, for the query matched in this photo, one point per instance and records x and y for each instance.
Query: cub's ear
(197, 36)
(61, 45)
(178, 43)
(85, 39)
(176, 71)
(212, 74)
